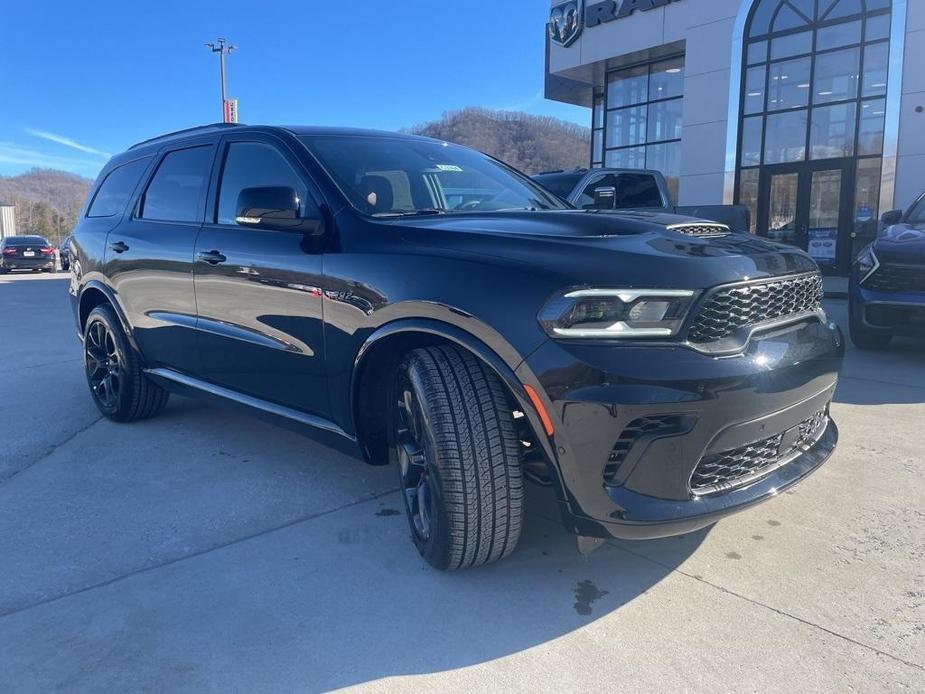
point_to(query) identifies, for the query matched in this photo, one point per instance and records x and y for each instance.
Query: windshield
(917, 213)
(393, 176)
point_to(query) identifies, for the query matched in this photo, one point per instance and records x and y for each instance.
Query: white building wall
(910, 162)
(705, 29)
(7, 221)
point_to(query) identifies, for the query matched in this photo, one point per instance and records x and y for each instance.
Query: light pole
(222, 49)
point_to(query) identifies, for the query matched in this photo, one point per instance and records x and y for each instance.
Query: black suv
(410, 300)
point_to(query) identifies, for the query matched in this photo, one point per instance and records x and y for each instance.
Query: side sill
(249, 401)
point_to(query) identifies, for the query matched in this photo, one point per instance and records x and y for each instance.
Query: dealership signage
(566, 19)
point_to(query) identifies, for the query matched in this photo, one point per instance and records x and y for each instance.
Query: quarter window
(114, 192)
(253, 165)
(177, 190)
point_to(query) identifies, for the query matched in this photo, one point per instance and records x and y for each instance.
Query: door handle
(212, 257)
(119, 246)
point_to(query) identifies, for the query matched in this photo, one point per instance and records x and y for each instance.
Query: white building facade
(809, 112)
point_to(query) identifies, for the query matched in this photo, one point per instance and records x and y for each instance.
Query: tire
(128, 395)
(862, 337)
(458, 455)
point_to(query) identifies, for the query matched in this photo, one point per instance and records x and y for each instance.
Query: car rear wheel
(862, 337)
(118, 386)
(458, 455)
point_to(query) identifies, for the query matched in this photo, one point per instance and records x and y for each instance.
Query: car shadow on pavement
(338, 599)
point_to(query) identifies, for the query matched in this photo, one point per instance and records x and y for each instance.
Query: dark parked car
(64, 254)
(658, 380)
(887, 289)
(27, 253)
(633, 191)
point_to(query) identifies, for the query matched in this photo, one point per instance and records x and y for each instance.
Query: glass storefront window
(754, 89)
(876, 68)
(626, 127)
(785, 137)
(751, 141)
(878, 28)
(789, 84)
(836, 76)
(644, 118)
(628, 87)
(631, 158)
(666, 158)
(597, 146)
(867, 197)
(870, 134)
(794, 44)
(665, 120)
(757, 52)
(666, 79)
(748, 195)
(832, 132)
(838, 35)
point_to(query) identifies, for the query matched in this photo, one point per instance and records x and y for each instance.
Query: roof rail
(186, 131)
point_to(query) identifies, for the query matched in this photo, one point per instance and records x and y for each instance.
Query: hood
(565, 224)
(613, 248)
(902, 244)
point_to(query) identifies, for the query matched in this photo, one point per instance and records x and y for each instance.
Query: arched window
(814, 89)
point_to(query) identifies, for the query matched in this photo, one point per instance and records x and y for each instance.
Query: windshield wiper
(424, 211)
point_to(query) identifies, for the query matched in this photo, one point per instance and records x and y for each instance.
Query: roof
(303, 130)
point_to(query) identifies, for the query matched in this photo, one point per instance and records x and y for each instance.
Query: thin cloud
(67, 142)
(17, 156)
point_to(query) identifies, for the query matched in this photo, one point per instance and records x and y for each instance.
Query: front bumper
(888, 313)
(681, 407)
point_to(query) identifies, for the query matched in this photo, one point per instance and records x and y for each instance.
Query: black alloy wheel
(453, 436)
(103, 364)
(118, 385)
(416, 475)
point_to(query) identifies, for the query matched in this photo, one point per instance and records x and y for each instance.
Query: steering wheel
(471, 205)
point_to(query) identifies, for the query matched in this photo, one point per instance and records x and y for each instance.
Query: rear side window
(177, 189)
(117, 187)
(632, 190)
(253, 165)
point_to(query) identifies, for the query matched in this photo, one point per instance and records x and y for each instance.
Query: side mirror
(605, 197)
(892, 217)
(274, 207)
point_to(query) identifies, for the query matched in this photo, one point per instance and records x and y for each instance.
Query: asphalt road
(206, 551)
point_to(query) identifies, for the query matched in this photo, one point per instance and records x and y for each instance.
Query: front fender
(505, 362)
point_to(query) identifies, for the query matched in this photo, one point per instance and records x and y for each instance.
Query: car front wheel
(458, 455)
(119, 387)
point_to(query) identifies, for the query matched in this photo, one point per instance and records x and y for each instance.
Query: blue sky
(86, 79)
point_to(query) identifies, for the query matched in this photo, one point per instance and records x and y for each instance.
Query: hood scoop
(702, 230)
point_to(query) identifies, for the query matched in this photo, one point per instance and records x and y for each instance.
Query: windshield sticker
(449, 167)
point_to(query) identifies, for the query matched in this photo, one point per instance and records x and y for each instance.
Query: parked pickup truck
(633, 189)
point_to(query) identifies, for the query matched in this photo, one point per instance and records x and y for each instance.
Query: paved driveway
(207, 551)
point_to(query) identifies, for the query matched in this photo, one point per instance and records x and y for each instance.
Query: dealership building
(809, 112)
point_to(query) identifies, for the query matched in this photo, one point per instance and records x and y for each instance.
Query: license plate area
(28, 254)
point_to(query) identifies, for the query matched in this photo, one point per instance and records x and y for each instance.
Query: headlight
(616, 313)
(867, 263)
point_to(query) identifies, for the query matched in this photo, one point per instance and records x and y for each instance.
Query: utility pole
(222, 49)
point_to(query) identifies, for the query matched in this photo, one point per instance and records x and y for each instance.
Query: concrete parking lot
(207, 551)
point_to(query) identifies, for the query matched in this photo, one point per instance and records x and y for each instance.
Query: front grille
(644, 427)
(896, 279)
(701, 230)
(728, 469)
(728, 310)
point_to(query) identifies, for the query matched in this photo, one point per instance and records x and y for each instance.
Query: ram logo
(565, 22)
